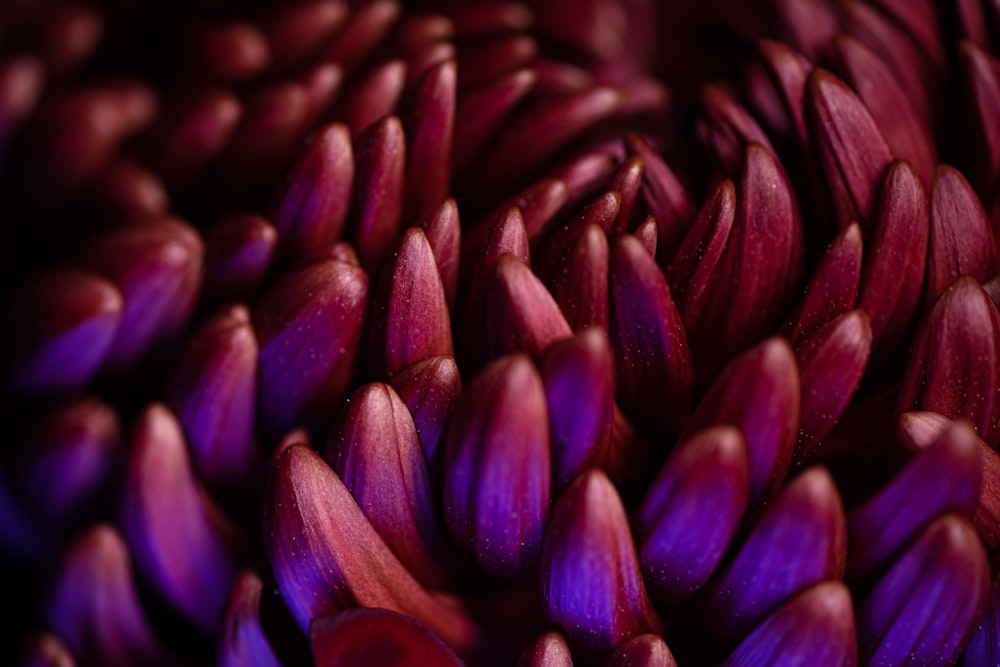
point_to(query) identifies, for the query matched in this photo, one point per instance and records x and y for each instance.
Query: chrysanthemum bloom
(603, 332)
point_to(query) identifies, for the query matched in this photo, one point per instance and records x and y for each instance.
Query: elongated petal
(327, 557)
(852, 150)
(578, 375)
(410, 319)
(213, 391)
(726, 128)
(549, 650)
(814, 628)
(581, 287)
(308, 326)
(895, 257)
(429, 127)
(500, 424)
(801, 540)
(429, 390)
(376, 452)
(945, 477)
(831, 363)
(381, 177)
(44, 650)
(602, 211)
(651, 348)
(375, 96)
(648, 649)
(62, 324)
(95, 607)
(664, 195)
(953, 366)
(238, 252)
(691, 512)
(231, 51)
(984, 649)
(296, 32)
(360, 637)
(244, 643)
(157, 268)
(589, 541)
(833, 289)
(961, 238)
(981, 73)
(481, 114)
(311, 207)
(364, 30)
(185, 549)
(929, 605)
(444, 234)
(759, 394)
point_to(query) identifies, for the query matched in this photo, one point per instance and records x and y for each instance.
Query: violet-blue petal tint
(212, 388)
(381, 178)
(308, 326)
(578, 375)
(238, 253)
(690, 514)
(363, 637)
(62, 325)
(580, 287)
(429, 389)
(800, 541)
(655, 373)
(244, 642)
(894, 262)
(961, 238)
(498, 470)
(548, 650)
(429, 125)
(984, 649)
(953, 366)
(944, 477)
(759, 394)
(376, 452)
(185, 549)
(816, 627)
(649, 650)
(521, 314)
(94, 605)
(588, 540)
(157, 267)
(851, 148)
(327, 557)
(311, 207)
(832, 361)
(930, 603)
(833, 288)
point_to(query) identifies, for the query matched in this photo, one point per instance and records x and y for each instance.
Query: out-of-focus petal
(363, 637)
(244, 642)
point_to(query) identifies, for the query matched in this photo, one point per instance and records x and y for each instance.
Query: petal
(581, 285)
(381, 176)
(648, 649)
(549, 650)
(664, 195)
(238, 253)
(482, 113)
(429, 126)
(429, 389)
(244, 643)
(360, 637)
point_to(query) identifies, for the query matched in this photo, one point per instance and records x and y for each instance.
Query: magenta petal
(375, 96)
(410, 319)
(549, 650)
(429, 126)
(588, 540)
(62, 325)
(381, 176)
(308, 327)
(726, 128)
(961, 238)
(481, 114)
(44, 650)
(814, 628)
(853, 153)
(648, 649)
(984, 649)
(444, 234)
(500, 424)
(943, 478)
(295, 33)
(578, 375)
(581, 286)
(244, 643)
(691, 512)
(376, 452)
(363, 637)
(800, 541)
(94, 605)
(664, 195)
(185, 549)
(981, 73)
(789, 70)
(429, 389)
(213, 390)
(929, 605)
(364, 30)
(954, 364)
(655, 374)
(759, 394)
(238, 253)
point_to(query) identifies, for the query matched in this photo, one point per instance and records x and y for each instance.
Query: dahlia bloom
(537, 333)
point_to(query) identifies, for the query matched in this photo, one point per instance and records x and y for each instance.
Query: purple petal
(814, 628)
(410, 319)
(581, 286)
(238, 252)
(381, 176)
(648, 649)
(591, 582)
(482, 113)
(655, 374)
(500, 424)
(361, 637)
(375, 96)
(429, 126)
(549, 650)
(691, 512)
(725, 128)
(984, 649)
(444, 233)
(929, 605)
(429, 389)
(244, 643)
(664, 195)
(627, 182)
(800, 541)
